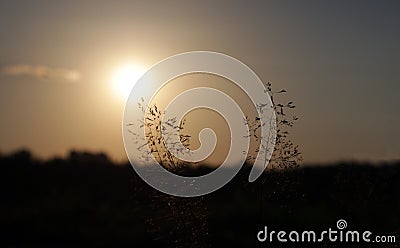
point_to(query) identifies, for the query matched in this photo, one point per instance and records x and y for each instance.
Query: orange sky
(338, 62)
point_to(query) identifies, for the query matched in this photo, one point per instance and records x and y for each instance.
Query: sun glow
(125, 78)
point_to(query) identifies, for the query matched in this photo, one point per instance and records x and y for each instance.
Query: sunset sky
(338, 60)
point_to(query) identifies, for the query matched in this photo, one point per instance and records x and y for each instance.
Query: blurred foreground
(86, 200)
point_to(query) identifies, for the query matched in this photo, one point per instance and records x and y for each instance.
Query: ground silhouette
(86, 200)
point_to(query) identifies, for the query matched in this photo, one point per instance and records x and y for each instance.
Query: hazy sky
(338, 60)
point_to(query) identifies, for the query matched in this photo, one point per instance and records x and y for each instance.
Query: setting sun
(125, 78)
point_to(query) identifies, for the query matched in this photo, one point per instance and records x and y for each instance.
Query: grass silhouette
(86, 200)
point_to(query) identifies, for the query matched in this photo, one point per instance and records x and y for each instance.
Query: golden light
(125, 78)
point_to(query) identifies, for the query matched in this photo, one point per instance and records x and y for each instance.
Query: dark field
(87, 201)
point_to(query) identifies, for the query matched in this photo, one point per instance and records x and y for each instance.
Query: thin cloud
(42, 72)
